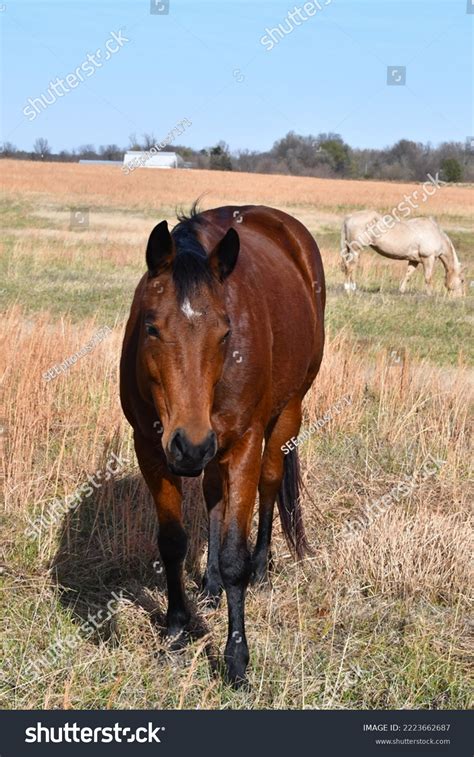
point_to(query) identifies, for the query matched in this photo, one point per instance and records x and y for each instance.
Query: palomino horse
(224, 339)
(417, 240)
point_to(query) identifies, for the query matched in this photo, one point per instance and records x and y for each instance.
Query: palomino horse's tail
(343, 250)
(289, 506)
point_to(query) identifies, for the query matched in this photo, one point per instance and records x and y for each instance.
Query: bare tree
(133, 143)
(8, 149)
(111, 152)
(41, 147)
(148, 140)
(87, 152)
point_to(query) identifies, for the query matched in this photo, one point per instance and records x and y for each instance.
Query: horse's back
(355, 224)
(269, 238)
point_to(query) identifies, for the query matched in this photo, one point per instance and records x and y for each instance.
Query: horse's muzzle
(186, 458)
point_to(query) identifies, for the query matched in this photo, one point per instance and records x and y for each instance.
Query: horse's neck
(449, 258)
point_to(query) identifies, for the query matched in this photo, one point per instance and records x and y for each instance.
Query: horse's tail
(343, 250)
(289, 506)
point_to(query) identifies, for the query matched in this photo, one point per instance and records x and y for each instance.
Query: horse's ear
(224, 255)
(159, 251)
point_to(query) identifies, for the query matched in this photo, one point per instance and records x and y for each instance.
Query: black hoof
(211, 590)
(236, 658)
(260, 579)
(238, 682)
(176, 639)
(261, 567)
(176, 635)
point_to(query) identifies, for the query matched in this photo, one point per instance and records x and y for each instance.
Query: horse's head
(184, 332)
(455, 281)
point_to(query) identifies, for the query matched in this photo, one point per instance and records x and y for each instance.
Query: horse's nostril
(178, 444)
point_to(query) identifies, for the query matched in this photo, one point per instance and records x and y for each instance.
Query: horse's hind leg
(349, 262)
(212, 579)
(271, 476)
(412, 266)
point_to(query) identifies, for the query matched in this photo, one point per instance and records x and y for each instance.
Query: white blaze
(188, 311)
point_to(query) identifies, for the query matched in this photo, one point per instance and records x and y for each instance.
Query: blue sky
(204, 61)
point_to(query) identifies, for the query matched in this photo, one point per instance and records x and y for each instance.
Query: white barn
(145, 159)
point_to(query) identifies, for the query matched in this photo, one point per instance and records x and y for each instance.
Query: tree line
(322, 155)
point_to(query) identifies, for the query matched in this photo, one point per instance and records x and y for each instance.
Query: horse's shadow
(108, 551)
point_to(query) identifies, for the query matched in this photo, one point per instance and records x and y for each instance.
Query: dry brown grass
(377, 621)
(148, 190)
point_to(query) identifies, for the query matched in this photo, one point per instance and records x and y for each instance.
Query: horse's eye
(151, 330)
(226, 336)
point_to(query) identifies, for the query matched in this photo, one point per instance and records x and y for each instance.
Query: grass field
(380, 620)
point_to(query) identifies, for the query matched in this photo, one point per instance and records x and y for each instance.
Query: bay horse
(225, 337)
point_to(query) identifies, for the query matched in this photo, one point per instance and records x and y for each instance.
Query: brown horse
(225, 337)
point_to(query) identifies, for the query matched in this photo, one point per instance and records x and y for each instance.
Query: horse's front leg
(172, 541)
(241, 472)
(428, 267)
(213, 494)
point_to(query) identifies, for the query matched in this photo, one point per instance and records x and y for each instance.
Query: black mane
(190, 268)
